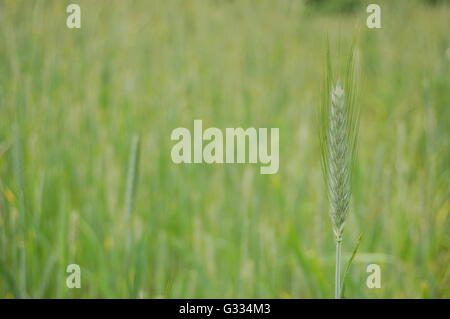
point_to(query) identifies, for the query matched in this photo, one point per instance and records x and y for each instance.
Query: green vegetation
(86, 175)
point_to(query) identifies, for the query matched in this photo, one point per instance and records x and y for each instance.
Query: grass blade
(350, 261)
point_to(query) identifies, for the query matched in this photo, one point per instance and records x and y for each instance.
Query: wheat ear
(339, 122)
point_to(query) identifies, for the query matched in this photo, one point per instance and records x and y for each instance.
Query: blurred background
(71, 101)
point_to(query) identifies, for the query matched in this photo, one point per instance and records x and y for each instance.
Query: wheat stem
(337, 291)
(132, 176)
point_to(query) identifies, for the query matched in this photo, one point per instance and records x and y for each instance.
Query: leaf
(352, 257)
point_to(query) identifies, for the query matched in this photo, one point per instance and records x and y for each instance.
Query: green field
(71, 101)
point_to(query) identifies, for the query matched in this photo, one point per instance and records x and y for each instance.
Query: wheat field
(77, 188)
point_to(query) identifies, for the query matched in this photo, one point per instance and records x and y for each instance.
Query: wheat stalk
(133, 164)
(339, 122)
(130, 191)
